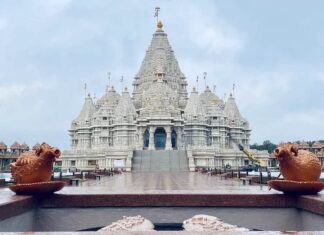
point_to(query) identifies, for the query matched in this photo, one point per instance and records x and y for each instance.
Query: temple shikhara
(158, 126)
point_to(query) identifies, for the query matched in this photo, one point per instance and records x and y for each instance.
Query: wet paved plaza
(153, 183)
(170, 182)
(158, 183)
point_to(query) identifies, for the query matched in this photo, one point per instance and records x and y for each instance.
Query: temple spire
(86, 112)
(85, 90)
(205, 75)
(159, 24)
(231, 109)
(159, 60)
(197, 80)
(108, 73)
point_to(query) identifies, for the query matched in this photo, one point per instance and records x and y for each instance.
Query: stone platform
(162, 196)
(164, 189)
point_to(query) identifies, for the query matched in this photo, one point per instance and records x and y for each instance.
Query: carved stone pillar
(168, 145)
(151, 142)
(140, 140)
(180, 143)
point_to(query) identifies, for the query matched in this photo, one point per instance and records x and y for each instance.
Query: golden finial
(193, 89)
(125, 89)
(159, 24)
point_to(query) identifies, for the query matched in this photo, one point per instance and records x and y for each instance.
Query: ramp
(160, 161)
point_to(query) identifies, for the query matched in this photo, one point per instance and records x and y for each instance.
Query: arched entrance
(174, 139)
(159, 138)
(146, 139)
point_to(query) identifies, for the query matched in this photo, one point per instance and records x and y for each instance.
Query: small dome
(212, 104)
(209, 98)
(318, 144)
(232, 111)
(36, 146)
(15, 146)
(125, 110)
(3, 146)
(194, 109)
(303, 145)
(110, 98)
(85, 115)
(24, 146)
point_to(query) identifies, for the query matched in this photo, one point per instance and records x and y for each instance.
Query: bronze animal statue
(35, 165)
(296, 164)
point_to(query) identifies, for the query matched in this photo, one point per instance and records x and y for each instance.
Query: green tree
(267, 145)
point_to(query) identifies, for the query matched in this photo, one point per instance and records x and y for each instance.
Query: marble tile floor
(159, 183)
(170, 182)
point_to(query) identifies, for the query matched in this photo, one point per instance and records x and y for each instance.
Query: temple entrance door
(146, 139)
(159, 138)
(174, 139)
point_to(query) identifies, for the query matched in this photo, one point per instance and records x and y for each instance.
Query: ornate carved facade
(158, 116)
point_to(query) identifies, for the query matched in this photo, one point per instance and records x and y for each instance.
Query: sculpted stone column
(179, 139)
(151, 142)
(140, 138)
(168, 145)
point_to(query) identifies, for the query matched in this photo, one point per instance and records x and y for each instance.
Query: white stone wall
(91, 160)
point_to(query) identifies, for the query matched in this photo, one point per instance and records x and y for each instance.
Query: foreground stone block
(130, 223)
(205, 223)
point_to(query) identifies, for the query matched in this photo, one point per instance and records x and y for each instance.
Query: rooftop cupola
(232, 111)
(211, 102)
(111, 97)
(3, 146)
(36, 146)
(125, 110)
(85, 115)
(24, 147)
(15, 146)
(194, 109)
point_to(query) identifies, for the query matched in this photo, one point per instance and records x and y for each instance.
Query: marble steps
(160, 161)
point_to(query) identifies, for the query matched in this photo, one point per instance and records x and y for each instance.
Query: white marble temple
(158, 115)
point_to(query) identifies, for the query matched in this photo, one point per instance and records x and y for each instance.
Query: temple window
(92, 162)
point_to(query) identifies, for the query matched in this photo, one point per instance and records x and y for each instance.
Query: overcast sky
(272, 50)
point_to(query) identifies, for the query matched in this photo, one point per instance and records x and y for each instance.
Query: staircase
(160, 161)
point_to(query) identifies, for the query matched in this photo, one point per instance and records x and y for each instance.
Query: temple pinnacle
(159, 24)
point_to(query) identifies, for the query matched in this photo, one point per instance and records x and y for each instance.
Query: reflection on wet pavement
(173, 182)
